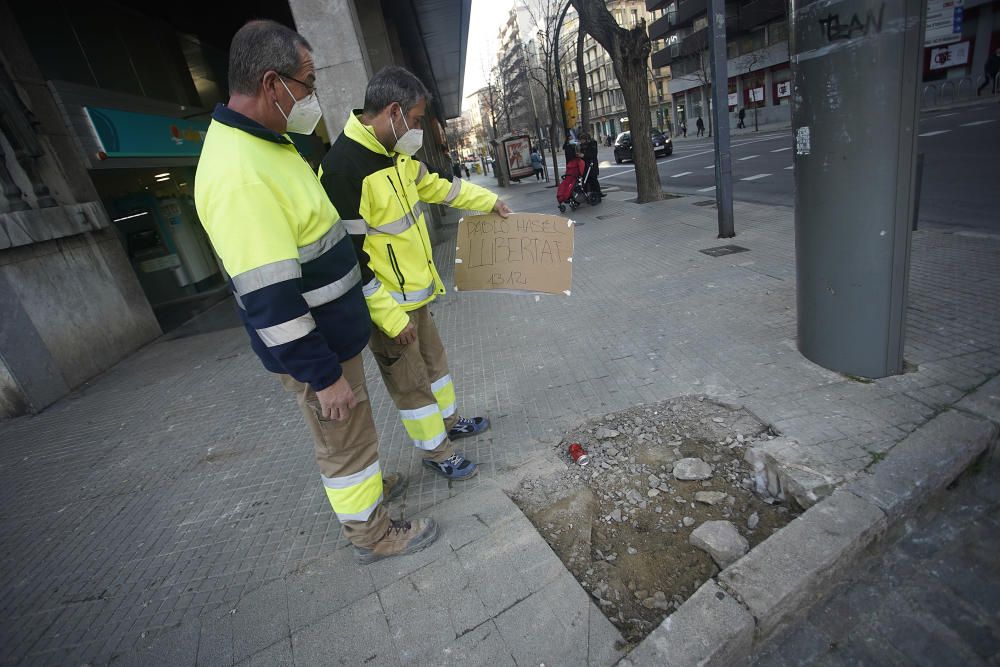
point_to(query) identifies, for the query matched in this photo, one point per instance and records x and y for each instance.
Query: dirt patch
(621, 524)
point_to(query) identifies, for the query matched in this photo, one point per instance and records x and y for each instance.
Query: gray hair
(259, 47)
(394, 84)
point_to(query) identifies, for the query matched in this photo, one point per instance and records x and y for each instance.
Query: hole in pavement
(622, 523)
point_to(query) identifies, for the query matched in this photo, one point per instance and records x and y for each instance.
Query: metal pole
(720, 93)
(555, 56)
(855, 183)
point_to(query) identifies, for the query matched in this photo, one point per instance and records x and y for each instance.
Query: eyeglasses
(311, 89)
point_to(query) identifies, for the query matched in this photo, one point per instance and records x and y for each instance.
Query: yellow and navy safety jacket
(292, 264)
(378, 192)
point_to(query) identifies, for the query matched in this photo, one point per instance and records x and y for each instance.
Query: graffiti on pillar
(836, 30)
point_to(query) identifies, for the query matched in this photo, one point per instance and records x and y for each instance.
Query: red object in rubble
(579, 455)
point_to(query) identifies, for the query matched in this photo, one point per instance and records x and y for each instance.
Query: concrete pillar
(855, 183)
(340, 53)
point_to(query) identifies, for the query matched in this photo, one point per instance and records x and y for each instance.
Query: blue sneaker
(455, 467)
(466, 427)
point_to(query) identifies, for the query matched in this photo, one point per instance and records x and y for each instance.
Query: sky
(484, 25)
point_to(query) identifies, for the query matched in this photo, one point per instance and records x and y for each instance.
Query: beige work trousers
(345, 447)
(409, 371)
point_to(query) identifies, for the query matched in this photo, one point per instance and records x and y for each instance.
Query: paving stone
(325, 586)
(710, 628)
(558, 625)
(259, 620)
(328, 640)
(925, 462)
(482, 645)
(278, 654)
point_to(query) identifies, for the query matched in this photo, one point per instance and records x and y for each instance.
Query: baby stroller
(572, 185)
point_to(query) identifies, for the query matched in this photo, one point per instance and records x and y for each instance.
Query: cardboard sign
(526, 252)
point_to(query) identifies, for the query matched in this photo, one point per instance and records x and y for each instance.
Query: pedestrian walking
(700, 124)
(372, 177)
(741, 125)
(588, 148)
(990, 70)
(465, 168)
(536, 164)
(684, 129)
(296, 277)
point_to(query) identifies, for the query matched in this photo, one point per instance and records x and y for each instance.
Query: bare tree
(698, 64)
(544, 14)
(750, 61)
(629, 51)
(584, 102)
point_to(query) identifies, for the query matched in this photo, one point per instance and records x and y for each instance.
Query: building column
(340, 53)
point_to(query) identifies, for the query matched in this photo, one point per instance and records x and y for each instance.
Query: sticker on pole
(526, 252)
(802, 141)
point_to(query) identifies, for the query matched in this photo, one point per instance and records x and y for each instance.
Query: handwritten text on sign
(529, 252)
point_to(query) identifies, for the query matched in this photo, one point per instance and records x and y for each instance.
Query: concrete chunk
(924, 462)
(786, 572)
(692, 469)
(721, 541)
(711, 628)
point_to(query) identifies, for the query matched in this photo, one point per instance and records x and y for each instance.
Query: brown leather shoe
(403, 537)
(393, 486)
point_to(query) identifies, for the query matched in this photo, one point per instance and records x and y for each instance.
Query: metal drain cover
(608, 215)
(724, 250)
(705, 202)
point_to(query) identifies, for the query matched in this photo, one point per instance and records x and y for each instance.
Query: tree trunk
(629, 50)
(583, 102)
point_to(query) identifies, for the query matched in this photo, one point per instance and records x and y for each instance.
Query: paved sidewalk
(180, 484)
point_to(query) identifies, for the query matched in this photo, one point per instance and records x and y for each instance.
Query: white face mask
(304, 114)
(410, 142)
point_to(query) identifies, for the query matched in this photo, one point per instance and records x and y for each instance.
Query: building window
(777, 32)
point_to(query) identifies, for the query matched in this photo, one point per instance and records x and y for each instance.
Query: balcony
(689, 10)
(759, 12)
(652, 5)
(661, 26)
(662, 58)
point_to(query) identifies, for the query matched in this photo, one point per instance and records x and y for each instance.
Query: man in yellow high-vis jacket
(377, 185)
(296, 278)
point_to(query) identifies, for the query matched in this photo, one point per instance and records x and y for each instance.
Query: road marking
(711, 166)
(707, 189)
(945, 115)
(684, 157)
(790, 167)
(778, 150)
(978, 122)
(748, 157)
(931, 134)
(683, 173)
(755, 177)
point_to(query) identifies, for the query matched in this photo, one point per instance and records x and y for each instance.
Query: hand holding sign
(528, 252)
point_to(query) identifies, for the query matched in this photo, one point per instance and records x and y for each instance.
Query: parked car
(662, 145)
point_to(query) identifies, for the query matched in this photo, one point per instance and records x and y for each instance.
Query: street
(960, 146)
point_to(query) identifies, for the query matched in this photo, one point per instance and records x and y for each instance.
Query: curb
(789, 571)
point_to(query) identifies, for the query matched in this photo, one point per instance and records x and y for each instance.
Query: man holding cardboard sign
(376, 184)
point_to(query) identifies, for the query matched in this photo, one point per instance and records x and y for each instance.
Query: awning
(434, 34)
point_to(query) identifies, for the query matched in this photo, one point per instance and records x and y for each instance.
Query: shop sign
(128, 134)
(952, 55)
(944, 21)
(784, 88)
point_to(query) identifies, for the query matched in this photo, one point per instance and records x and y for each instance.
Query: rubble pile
(666, 501)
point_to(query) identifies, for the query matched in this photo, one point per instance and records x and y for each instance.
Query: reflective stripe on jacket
(378, 193)
(294, 271)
